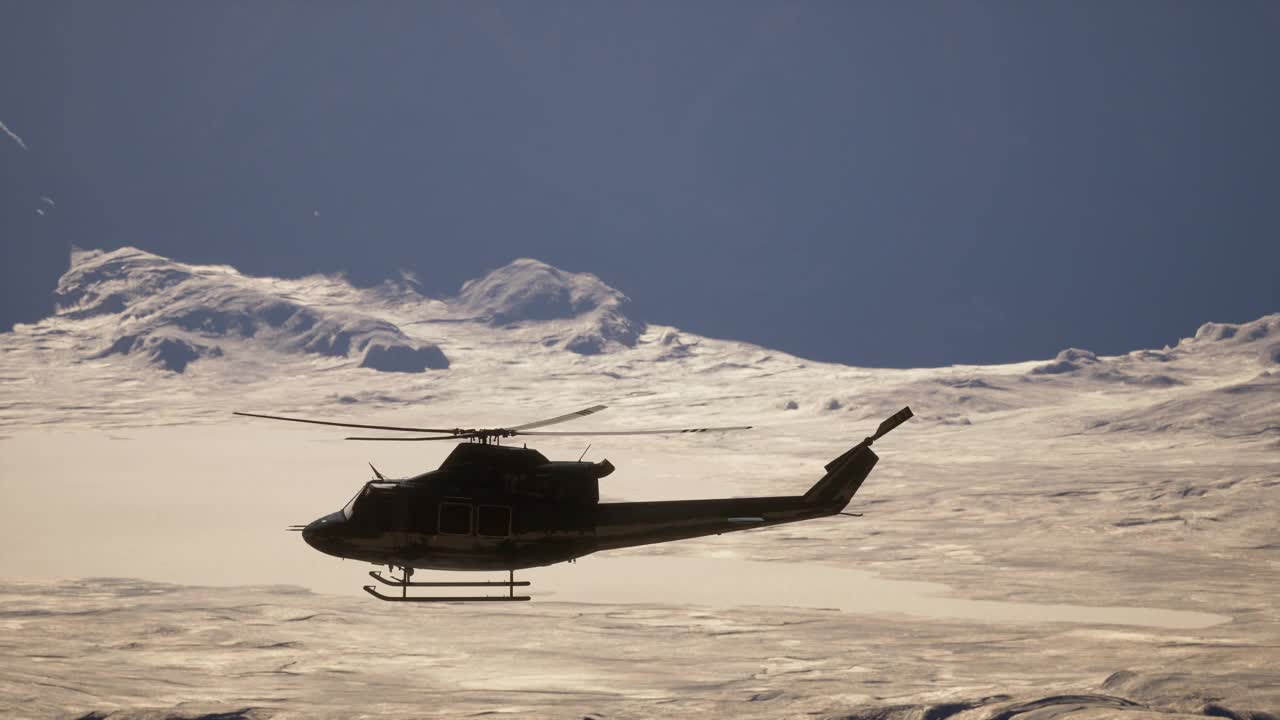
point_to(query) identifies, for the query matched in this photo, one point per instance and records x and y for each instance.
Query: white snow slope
(1067, 505)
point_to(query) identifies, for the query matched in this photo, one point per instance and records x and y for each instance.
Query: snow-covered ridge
(133, 327)
(174, 313)
(1262, 335)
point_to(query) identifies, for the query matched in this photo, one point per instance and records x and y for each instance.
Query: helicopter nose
(323, 530)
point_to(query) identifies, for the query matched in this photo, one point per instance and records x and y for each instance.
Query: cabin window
(493, 521)
(455, 519)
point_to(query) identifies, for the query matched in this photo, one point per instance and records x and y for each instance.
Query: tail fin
(843, 478)
(846, 473)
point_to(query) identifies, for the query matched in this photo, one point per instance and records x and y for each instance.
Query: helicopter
(493, 507)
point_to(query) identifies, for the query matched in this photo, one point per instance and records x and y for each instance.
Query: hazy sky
(880, 183)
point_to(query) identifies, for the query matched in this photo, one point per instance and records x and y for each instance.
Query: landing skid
(451, 598)
(406, 582)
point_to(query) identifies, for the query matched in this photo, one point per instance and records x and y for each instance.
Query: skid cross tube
(396, 582)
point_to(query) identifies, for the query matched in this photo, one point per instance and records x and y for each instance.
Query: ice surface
(150, 650)
(1145, 483)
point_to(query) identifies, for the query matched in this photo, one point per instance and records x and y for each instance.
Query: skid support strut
(406, 582)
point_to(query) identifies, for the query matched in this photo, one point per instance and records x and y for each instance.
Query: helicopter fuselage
(490, 507)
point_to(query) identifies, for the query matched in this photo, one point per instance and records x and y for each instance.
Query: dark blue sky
(879, 183)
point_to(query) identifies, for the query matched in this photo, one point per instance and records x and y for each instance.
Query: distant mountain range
(135, 329)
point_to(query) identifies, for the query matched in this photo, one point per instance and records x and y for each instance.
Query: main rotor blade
(452, 431)
(463, 436)
(571, 416)
(640, 432)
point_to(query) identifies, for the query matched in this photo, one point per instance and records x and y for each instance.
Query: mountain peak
(528, 289)
(104, 282)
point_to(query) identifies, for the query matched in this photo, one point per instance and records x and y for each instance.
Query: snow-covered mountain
(173, 313)
(529, 290)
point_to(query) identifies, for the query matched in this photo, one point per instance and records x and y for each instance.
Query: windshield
(369, 488)
(350, 507)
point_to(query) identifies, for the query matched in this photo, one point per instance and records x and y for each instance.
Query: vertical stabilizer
(846, 473)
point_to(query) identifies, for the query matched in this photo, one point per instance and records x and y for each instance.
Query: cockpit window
(369, 489)
(349, 509)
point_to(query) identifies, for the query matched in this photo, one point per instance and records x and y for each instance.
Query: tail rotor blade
(894, 421)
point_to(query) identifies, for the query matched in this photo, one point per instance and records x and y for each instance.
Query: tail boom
(628, 524)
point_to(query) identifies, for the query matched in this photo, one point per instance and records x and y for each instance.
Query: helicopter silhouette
(493, 507)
